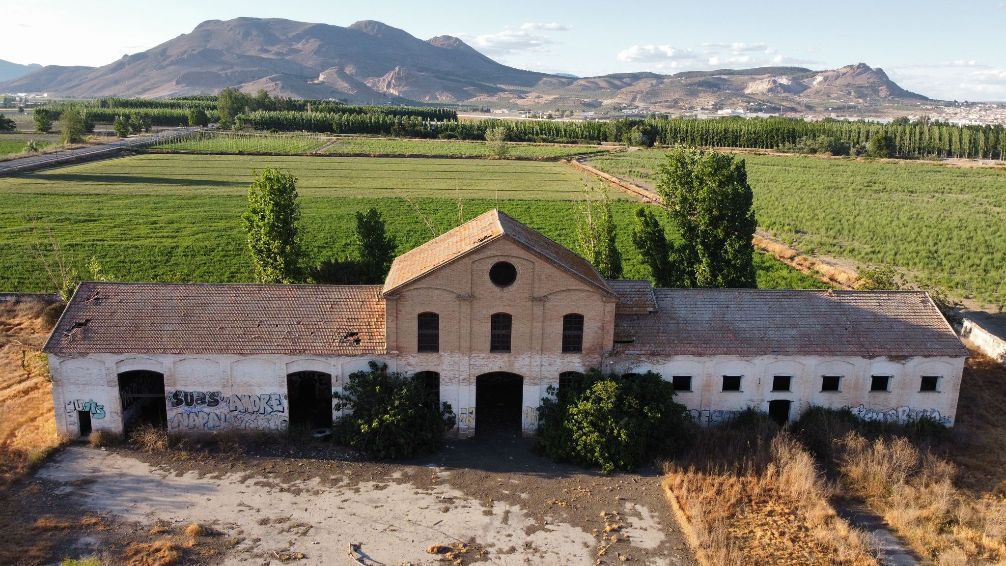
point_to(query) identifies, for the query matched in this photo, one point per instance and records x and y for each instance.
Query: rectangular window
(930, 383)
(429, 332)
(732, 382)
(880, 383)
(682, 382)
(782, 382)
(500, 325)
(572, 333)
(830, 382)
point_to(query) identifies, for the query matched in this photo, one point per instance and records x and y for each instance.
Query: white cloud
(707, 56)
(654, 54)
(544, 26)
(530, 36)
(953, 80)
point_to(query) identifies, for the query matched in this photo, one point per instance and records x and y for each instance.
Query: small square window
(830, 382)
(930, 383)
(682, 382)
(880, 383)
(782, 382)
(732, 382)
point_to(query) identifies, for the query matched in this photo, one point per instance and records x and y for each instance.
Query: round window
(503, 274)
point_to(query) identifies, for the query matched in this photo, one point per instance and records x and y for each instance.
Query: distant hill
(10, 70)
(370, 62)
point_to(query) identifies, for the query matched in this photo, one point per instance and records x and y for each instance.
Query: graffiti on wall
(211, 411)
(466, 418)
(530, 418)
(712, 416)
(96, 409)
(899, 415)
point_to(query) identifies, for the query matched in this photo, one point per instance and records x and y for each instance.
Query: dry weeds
(163, 552)
(27, 424)
(149, 438)
(914, 491)
(769, 506)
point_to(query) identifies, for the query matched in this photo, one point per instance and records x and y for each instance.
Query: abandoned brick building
(489, 315)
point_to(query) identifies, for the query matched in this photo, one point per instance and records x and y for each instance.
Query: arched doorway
(778, 410)
(430, 381)
(141, 393)
(499, 397)
(309, 394)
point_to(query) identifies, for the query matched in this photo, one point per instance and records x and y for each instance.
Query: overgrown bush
(391, 415)
(610, 421)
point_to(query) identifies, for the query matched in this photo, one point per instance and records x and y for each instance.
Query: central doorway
(310, 397)
(142, 395)
(499, 397)
(778, 411)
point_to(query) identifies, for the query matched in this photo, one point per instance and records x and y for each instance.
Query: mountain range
(370, 62)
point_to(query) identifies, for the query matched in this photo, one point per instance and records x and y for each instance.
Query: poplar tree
(596, 236)
(271, 224)
(708, 198)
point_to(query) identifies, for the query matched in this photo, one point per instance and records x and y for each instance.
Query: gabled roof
(755, 322)
(635, 296)
(476, 233)
(167, 318)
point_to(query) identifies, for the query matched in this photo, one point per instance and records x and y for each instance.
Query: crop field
(456, 148)
(177, 217)
(294, 144)
(941, 225)
(299, 144)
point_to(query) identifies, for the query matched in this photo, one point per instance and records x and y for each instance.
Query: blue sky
(952, 50)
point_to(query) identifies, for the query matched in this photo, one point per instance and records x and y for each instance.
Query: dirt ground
(314, 504)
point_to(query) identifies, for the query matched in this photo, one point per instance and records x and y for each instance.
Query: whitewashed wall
(211, 393)
(208, 393)
(709, 404)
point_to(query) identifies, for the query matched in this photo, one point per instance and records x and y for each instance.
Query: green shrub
(392, 415)
(610, 421)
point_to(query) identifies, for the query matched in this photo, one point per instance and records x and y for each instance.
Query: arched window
(572, 333)
(569, 379)
(500, 325)
(429, 332)
(431, 384)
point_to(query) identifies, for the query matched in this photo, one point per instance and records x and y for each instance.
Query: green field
(14, 143)
(277, 144)
(177, 217)
(942, 225)
(299, 144)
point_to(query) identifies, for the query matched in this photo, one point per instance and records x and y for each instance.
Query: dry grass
(27, 424)
(914, 491)
(163, 552)
(149, 438)
(764, 502)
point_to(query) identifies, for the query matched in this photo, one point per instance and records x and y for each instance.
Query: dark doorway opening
(499, 397)
(310, 397)
(84, 423)
(142, 395)
(778, 411)
(430, 381)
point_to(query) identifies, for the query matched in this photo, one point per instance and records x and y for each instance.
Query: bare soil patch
(309, 500)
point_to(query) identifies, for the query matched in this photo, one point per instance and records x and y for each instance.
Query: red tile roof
(635, 296)
(165, 318)
(480, 231)
(750, 322)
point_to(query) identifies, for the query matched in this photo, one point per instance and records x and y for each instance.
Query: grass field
(177, 217)
(14, 143)
(299, 144)
(942, 225)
